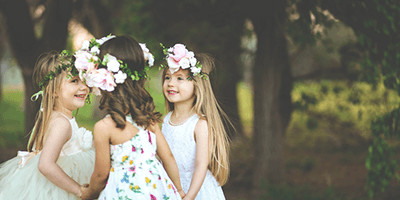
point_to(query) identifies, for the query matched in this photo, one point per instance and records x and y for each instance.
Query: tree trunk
(227, 80)
(272, 83)
(25, 47)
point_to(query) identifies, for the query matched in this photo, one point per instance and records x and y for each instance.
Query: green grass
(11, 119)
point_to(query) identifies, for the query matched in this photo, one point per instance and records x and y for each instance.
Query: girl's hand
(182, 193)
(84, 191)
(187, 198)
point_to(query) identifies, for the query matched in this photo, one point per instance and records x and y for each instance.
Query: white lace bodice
(181, 142)
(81, 139)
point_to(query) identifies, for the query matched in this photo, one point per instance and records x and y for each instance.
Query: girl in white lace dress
(128, 139)
(60, 156)
(194, 128)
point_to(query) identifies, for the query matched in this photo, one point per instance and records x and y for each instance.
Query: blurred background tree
(31, 30)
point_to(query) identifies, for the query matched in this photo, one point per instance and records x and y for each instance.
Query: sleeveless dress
(20, 178)
(181, 141)
(135, 171)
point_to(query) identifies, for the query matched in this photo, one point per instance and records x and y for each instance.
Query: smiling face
(72, 94)
(177, 88)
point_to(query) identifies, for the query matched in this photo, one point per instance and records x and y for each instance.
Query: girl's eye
(74, 80)
(181, 78)
(167, 78)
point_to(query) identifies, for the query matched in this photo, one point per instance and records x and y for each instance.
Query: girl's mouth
(80, 96)
(172, 92)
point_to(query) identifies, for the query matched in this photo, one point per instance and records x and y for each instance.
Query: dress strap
(65, 116)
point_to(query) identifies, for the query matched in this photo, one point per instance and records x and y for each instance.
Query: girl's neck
(66, 112)
(181, 110)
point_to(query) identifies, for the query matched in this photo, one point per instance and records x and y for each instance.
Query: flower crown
(65, 59)
(179, 57)
(87, 62)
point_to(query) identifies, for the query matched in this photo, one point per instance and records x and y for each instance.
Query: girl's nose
(83, 86)
(171, 82)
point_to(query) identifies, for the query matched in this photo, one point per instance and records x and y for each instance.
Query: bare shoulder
(104, 126)
(201, 128)
(59, 128)
(60, 123)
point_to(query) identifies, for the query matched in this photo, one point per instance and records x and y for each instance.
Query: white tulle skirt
(25, 183)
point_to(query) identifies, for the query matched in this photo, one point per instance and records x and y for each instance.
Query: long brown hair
(131, 97)
(46, 62)
(205, 104)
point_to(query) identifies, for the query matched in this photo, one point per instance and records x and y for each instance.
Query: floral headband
(65, 59)
(179, 57)
(87, 61)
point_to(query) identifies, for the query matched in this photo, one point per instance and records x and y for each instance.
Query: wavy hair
(46, 62)
(205, 104)
(131, 97)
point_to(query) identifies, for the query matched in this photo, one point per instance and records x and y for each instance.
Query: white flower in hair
(105, 80)
(193, 61)
(147, 55)
(184, 63)
(120, 77)
(173, 65)
(83, 59)
(93, 79)
(104, 39)
(179, 57)
(112, 63)
(95, 50)
(85, 45)
(195, 70)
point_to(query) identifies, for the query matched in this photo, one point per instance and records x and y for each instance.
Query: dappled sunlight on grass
(336, 111)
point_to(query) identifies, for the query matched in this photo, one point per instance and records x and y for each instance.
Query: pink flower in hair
(84, 59)
(101, 78)
(179, 51)
(179, 57)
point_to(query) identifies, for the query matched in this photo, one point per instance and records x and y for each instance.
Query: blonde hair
(46, 62)
(205, 104)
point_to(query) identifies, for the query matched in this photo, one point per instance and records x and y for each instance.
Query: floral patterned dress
(135, 171)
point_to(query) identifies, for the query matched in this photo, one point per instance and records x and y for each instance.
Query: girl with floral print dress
(194, 126)
(128, 139)
(60, 155)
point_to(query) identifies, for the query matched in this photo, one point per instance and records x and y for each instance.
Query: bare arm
(201, 160)
(102, 163)
(168, 160)
(58, 134)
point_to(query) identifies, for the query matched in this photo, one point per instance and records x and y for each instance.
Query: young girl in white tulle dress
(60, 155)
(194, 126)
(128, 139)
